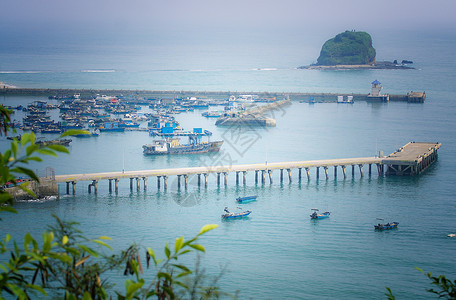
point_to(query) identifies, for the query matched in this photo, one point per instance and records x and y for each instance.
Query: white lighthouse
(375, 93)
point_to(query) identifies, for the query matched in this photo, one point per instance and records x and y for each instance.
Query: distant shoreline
(380, 65)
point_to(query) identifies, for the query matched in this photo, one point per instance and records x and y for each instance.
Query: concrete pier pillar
(68, 188)
(131, 184)
(289, 175)
(335, 172)
(299, 173)
(353, 171)
(116, 185)
(318, 173)
(158, 182)
(370, 170)
(379, 170)
(270, 176)
(205, 179)
(225, 175)
(178, 181)
(361, 170)
(218, 179)
(145, 183)
(165, 182)
(244, 179)
(281, 175)
(186, 181)
(263, 180)
(256, 176)
(110, 185)
(344, 171)
(237, 178)
(308, 173)
(326, 173)
(137, 183)
(95, 186)
(73, 183)
(199, 180)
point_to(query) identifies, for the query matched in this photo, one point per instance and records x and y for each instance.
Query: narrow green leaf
(14, 148)
(105, 238)
(37, 288)
(46, 152)
(207, 228)
(58, 148)
(64, 240)
(25, 171)
(167, 251)
(102, 243)
(25, 138)
(31, 149)
(198, 247)
(32, 138)
(178, 244)
(88, 250)
(182, 267)
(73, 132)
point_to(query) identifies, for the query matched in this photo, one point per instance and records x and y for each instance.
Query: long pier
(411, 159)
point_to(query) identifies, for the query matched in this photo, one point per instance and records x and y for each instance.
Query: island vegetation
(348, 48)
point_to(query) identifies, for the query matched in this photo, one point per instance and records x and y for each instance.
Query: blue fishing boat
(231, 215)
(246, 199)
(316, 215)
(386, 226)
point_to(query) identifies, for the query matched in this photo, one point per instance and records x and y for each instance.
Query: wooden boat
(386, 226)
(246, 199)
(316, 215)
(231, 215)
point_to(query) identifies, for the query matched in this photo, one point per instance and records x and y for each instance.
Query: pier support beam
(335, 172)
(225, 175)
(131, 184)
(344, 171)
(179, 181)
(281, 175)
(138, 183)
(186, 181)
(318, 173)
(73, 183)
(244, 180)
(263, 180)
(205, 180)
(158, 182)
(237, 178)
(380, 169)
(289, 175)
(353, 171)
(165, 182)
(218, 179)
(270, 176)
(308, 174)
(67, 187)
(145, 183)
(199, 180)
(256, 176)
(95, 187)
(361, 170)
(370, 170)
(116, 185)
(110, 185)
(299, 174)
(326, 173)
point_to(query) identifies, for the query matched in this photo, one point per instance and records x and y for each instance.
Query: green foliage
(446, 288)
(347, 48)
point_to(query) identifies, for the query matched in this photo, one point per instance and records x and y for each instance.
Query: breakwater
(88, 93)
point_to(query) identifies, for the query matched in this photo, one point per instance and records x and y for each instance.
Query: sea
(278, 252)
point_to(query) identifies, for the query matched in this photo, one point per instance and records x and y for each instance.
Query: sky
(205, 16)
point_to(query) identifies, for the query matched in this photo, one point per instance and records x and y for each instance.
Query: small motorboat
(316, 215)
(231, 215)
(386, 226)
(246, 199)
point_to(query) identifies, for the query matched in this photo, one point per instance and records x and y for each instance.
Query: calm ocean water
(278, 252)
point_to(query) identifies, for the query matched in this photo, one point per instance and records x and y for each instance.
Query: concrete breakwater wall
(46, 187)
(324, 97)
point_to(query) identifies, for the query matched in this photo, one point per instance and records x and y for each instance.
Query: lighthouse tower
(375, 93)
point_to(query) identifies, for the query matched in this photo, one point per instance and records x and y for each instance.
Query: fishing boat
(173, 146)
(231, 215)
(316, 215)
(386, 226)
(246, 199)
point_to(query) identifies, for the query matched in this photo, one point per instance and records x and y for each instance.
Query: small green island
(352, 50)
